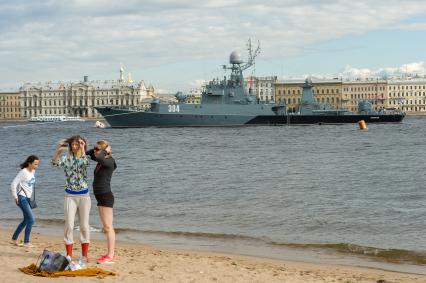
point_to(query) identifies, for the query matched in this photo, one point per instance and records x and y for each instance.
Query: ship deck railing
(130, 108)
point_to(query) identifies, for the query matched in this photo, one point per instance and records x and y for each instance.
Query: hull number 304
(173, 108)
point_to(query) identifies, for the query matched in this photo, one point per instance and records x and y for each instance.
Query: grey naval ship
(228, 103)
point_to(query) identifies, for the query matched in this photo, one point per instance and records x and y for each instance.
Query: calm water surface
(251, 190)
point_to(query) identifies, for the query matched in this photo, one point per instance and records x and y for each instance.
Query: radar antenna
(238, 66)
(251, 55)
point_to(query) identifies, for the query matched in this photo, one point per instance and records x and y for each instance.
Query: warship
(227, 102)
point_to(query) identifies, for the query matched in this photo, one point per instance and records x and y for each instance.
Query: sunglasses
(97, 149)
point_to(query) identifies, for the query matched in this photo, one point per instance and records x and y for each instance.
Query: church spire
(121, 73)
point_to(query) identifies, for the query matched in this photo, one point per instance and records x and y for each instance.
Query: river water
(322, 193)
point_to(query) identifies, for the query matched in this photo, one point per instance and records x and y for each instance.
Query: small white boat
(99, 124)
(56, 119)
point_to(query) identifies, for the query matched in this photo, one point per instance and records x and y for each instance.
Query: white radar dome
(235, 57)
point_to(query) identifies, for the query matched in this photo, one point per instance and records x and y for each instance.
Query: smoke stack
(86, 79)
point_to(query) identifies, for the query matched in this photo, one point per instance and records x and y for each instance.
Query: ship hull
(326, 119)
(133, 119)
(122, 118)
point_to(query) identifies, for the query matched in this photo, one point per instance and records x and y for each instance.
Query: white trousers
(72, 205)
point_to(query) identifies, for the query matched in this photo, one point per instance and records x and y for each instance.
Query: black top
(103, 172)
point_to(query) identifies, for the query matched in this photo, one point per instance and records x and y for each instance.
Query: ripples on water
(331, 185)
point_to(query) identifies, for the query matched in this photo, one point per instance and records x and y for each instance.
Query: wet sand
(141, 263)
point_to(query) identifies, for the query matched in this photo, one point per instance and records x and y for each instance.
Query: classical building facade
(289, 93)
(10, 106)
(325, 91)
(194, 96)
(80, 98)
(328, 92)
(408, 95)
(372, 90)
(262, 87)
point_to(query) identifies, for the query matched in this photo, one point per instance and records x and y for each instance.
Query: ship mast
(238, 66)
(251, 55)
(232, 90)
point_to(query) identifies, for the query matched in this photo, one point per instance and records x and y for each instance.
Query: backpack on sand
(51, 262)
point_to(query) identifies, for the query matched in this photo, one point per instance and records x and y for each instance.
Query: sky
(175, 45)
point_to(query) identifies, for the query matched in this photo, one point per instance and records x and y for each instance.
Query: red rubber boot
(68, 248)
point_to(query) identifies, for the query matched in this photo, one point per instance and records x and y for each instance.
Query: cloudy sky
(175, 44)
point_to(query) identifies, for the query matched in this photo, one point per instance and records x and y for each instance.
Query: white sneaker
(28, 245)
(16, 243)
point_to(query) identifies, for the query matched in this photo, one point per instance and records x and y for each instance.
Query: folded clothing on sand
(88, 272)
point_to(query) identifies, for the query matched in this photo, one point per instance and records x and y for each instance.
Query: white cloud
(412, 69)
(197, 84)
(413, 26)
(63, 40)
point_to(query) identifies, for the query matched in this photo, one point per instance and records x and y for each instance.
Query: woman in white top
(22, 190)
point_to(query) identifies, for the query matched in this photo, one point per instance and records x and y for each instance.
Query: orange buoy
(362, 125)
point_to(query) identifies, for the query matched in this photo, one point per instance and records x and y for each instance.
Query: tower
(121, 73)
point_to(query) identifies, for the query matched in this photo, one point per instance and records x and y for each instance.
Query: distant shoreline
(25, 120)
(101, 119)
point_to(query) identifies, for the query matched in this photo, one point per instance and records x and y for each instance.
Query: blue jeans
(28, 221)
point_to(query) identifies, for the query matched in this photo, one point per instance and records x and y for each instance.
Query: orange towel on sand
(32, 270)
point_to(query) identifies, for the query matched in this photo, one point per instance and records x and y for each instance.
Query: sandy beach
(140, 263)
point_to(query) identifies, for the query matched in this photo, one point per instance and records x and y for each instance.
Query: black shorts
(106, 199)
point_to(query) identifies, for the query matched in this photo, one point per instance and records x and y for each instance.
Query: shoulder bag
(31, 200)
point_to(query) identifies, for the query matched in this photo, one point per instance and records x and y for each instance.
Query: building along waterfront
(355, 91)
(325, 91)
(408, 94)
(10, 106)
(79, 98)
(262, 87)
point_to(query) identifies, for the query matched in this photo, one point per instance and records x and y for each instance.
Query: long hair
(77, 139)
(104, 144)
(30, 159)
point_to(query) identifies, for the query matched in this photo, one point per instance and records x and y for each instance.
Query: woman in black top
(103, 194)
